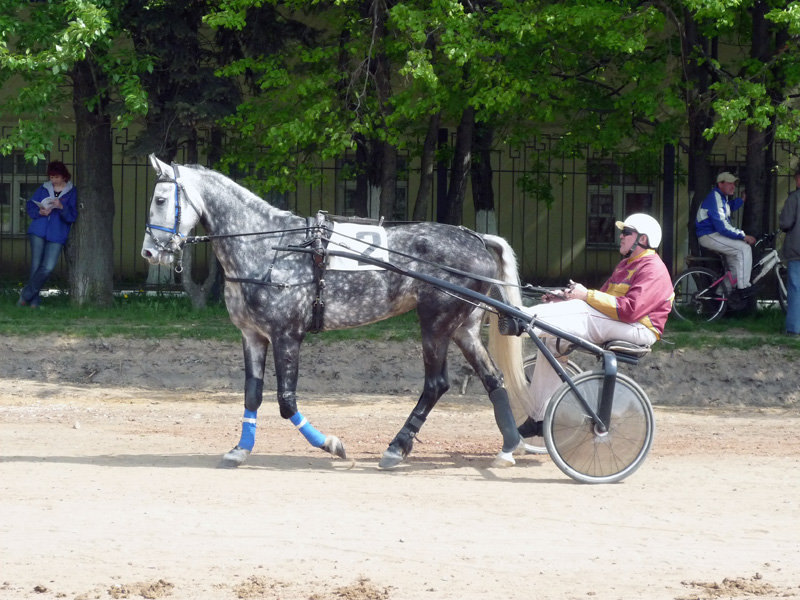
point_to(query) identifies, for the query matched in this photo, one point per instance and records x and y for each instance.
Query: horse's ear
(159, 166)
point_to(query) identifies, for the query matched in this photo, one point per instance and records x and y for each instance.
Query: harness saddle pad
(369, 240)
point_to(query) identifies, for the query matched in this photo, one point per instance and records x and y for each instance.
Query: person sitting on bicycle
(715, 231)
(632, 305)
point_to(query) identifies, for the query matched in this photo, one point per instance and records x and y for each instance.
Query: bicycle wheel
(536, 444)
(583, 453)
(696, 296)
(782, 283)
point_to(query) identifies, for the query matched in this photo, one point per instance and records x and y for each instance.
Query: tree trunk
(427, 168)
(699, 115)
(760, 143)
(756, 208)
(388, 182)
(459, 175)
(198, 292)
(91, 247)
(361, 200)
(482, 188)
(382, 70)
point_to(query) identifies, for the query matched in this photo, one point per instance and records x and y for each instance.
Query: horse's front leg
(255, 349)
(287, 362)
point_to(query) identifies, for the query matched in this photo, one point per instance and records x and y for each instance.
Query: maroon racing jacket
(638, 291)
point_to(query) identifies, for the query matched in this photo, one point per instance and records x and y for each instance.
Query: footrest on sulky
(506, 324)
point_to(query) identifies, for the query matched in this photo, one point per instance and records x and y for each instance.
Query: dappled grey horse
(281, 283)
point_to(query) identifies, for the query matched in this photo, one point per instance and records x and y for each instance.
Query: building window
(18, 181)
(612, 195)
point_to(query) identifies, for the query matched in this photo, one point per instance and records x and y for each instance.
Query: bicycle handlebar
(767, 239)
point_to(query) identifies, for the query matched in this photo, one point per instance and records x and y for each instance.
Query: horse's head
(172, 215)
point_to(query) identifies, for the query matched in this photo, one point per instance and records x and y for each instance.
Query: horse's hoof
(234, 458)
(334, 446)
(504, 459)
(390, 459)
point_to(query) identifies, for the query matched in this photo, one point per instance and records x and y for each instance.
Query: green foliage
(40, 44)
(752, 91)
(595, 69)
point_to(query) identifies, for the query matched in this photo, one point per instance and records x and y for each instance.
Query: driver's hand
(577, 291)
(555, 296)
(750, 239)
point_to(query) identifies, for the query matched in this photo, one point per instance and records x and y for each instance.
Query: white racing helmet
(643, 224)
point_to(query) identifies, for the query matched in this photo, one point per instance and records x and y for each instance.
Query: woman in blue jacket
(53, 209)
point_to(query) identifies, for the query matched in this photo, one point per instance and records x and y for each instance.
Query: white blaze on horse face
(156, 244)
(150, 249)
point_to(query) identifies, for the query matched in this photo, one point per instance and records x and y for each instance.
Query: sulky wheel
(582, 452)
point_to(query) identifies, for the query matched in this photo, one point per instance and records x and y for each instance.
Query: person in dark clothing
(788, 222)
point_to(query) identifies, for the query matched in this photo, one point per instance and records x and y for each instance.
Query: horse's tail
(506, 350)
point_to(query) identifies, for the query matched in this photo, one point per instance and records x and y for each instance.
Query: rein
(313, 229)
(315, 232)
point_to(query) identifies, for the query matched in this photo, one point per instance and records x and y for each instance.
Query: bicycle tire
(782, 282)
(536, 444)
(586, 455)
(687, 306)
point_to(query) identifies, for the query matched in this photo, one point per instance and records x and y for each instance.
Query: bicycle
(703, 291)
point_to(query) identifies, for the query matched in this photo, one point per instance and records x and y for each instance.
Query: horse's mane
(239, 190)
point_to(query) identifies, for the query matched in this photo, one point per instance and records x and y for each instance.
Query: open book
(46, 203)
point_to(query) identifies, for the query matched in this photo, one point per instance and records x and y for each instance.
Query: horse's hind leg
(467, 338)
(436, 384)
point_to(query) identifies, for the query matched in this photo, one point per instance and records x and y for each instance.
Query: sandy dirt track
(110, 490)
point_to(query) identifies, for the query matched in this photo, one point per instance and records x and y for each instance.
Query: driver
(632, 305)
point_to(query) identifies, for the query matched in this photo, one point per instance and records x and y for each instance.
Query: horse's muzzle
(157, 257)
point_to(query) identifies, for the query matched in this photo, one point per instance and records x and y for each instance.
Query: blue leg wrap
(314, 437)
(248, 439)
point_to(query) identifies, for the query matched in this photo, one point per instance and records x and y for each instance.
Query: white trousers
(738, 255)
(579, 319)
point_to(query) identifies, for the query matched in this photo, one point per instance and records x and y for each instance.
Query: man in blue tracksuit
(716, 232)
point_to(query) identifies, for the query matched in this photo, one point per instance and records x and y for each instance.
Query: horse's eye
(160, 200)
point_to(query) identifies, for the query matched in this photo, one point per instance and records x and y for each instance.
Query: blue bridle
(174, 229)
(177, 240)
